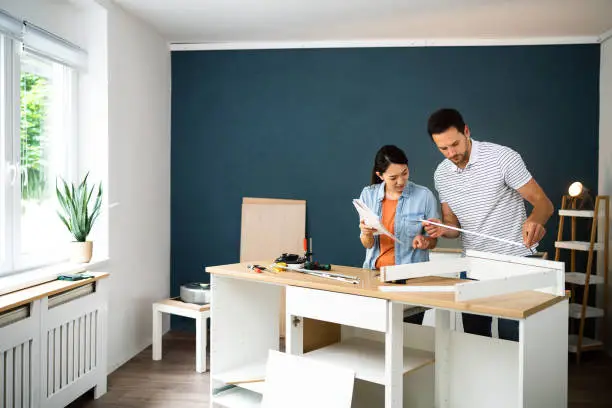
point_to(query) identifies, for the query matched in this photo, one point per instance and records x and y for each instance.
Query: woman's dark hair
(443, 119)
(385, 156)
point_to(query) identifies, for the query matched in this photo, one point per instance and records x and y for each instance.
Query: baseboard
(147, 343)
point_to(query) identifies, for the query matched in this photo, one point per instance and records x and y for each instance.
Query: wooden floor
(590, 382)
(173, 381)
(170, 382)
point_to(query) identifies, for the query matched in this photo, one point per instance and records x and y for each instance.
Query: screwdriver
(256, 268)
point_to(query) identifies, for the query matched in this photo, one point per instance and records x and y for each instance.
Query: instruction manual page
(371, 219)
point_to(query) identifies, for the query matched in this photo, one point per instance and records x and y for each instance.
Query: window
(45, 152)
(38, 144)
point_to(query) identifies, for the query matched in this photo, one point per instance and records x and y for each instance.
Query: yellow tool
(279, 266)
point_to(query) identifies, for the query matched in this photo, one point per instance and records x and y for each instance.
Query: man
(482, 187)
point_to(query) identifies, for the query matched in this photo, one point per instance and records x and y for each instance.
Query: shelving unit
(578, 280)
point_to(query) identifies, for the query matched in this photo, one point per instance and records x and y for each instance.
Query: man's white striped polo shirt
(483, 196)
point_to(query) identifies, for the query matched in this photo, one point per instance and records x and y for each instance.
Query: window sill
(38, 276)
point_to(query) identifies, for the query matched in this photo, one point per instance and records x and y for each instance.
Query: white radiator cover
(55, 354)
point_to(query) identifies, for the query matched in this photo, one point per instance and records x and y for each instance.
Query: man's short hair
(443, 119)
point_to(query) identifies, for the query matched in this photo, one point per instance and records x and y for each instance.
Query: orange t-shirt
(387, 245)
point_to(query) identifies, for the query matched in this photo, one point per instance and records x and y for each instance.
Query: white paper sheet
(371, 219)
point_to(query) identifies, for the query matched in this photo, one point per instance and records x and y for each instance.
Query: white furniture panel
(245, 315)
(237, 398)
(244, 308)
(298, 382)
(579, 245)
(367, 358)
(543, 375)
(359, 311)
(483, 372)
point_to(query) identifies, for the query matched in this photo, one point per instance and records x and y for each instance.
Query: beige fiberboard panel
(270, 227)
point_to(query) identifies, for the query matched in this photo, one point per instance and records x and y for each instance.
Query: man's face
(454, 145)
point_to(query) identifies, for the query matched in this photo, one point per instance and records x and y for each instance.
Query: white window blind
(39, 41)
(10, 26)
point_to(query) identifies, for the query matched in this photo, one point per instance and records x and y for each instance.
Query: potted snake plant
(78, 213)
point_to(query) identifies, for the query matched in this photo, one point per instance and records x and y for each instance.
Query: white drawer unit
(351, 310)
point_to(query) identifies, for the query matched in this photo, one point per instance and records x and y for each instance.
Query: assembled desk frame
(445, 368)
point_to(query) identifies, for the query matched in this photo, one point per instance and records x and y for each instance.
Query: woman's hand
(366, 230)
(420, 242)
(367, 235)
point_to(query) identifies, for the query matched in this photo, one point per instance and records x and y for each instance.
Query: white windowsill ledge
(37, 276)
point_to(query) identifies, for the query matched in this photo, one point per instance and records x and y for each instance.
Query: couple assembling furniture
(482, 187)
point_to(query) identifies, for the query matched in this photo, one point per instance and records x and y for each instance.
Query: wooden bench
(175, 306)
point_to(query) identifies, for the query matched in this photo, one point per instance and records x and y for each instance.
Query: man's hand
(532, 233)
(533, 229)
(448, 218)
(420, 242)
(433, 231)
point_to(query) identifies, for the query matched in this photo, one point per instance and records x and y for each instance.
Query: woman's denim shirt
(415, 203)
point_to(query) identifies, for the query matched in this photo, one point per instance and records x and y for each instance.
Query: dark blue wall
(306, 124)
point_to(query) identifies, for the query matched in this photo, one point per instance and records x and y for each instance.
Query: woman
(400, 204)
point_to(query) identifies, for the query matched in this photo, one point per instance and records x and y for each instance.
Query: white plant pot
(81, 251)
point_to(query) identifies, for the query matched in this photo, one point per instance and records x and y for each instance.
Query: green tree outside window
(33, 138)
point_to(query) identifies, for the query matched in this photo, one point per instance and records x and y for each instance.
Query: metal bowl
(197, 293)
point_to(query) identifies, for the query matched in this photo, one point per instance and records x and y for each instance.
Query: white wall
(125, 125)
(605, 153)
(139, 180)
(93, 113)
(126, 121)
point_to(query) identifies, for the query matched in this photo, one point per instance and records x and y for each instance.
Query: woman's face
(395, 177)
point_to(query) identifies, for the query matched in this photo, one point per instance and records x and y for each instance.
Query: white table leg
(157, 333)
(394, 356)
(294, 334)
(205, 340)
(543, 358)
(200, 344)
(442, 376)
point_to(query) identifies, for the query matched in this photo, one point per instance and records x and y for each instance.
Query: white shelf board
(586, 342)
(251, 371)
(577, 213)
(578, 245)
(257, 387)
(367, 358)
(575, 311)
(579, 278)
(237, 398)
